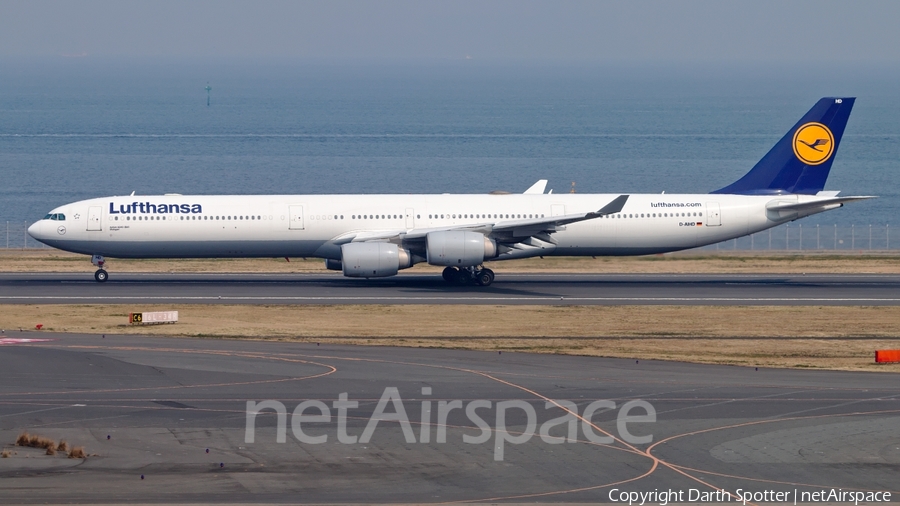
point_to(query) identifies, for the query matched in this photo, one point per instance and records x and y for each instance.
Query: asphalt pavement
(166, 420)
(537, 289)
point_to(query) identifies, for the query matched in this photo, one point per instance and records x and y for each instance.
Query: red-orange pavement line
(763, 480)
(177, 387)
(760, 422)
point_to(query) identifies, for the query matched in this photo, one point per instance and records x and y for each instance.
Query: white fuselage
(176, 226)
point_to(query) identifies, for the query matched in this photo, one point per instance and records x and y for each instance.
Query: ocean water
(72, 129)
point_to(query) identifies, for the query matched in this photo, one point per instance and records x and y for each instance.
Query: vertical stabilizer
(801, 160)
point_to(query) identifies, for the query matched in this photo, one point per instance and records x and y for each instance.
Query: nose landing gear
(468, 275)
(101, 275)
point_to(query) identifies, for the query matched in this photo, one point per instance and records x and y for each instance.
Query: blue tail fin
(801, 160)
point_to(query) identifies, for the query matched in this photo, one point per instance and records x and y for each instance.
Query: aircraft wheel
(101, 276)
(463, 277)
(484, 277)
(450, 274)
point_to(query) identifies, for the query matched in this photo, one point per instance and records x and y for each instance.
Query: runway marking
(42, 410)
(462, 298)
(16, 340)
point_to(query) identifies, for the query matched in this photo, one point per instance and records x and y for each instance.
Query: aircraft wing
(510, 233)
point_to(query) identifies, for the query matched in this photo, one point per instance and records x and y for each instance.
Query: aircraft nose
(35, 230)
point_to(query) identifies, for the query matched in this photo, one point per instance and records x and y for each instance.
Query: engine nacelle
(373, 259)
(333, 265)
(458, 248)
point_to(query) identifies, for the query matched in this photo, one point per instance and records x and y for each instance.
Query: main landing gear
(468, 275)
(101, 275)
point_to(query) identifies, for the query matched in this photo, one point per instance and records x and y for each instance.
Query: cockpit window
(61, 217)
(48, 217)
(56, 217)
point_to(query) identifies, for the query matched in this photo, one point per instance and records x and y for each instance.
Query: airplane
(371, 236)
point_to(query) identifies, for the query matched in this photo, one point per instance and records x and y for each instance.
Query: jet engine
(373, 259)
(458, 248)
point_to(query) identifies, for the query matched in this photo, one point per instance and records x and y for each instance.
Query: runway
(167, 420)
(555, 289)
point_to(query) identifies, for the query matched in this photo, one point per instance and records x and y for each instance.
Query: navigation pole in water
(208, 89)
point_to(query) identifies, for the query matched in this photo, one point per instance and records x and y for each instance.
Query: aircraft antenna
(573, 187)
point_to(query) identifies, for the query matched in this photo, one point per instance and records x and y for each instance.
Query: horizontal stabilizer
(805, 206)
(781, 210)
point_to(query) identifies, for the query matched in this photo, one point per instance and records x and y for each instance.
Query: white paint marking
(462, 297)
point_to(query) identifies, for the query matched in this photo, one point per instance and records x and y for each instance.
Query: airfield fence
(788, 237)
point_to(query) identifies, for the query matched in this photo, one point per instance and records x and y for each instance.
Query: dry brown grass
(77, 453)
(50, 260)
(839, 337)
(35, 441)
(462, 322)
(5, 454)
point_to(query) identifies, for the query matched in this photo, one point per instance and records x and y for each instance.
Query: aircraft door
(557, 210)
(410, 218)
(93, 221)
(713, 215)
(296, 217)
